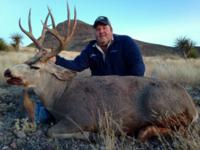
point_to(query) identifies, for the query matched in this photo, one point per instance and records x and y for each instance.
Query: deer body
(79, 104)
(137, 104)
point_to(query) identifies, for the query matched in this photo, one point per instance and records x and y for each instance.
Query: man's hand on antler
(53, 59)
(62, 53)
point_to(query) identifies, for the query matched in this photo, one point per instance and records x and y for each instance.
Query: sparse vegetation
(180, 70)
(194, 53)
(173, 68)
(186, 45)
(107, 135)
(3, 45)
(10, 58)
(108, 139)
(16, 40)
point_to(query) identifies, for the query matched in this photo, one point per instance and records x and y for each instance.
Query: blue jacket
(123, 57)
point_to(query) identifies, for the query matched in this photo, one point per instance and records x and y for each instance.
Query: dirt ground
(13, 134)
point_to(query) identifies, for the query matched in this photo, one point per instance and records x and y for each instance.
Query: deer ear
(59, 72)
(64, 74)
(36, 66)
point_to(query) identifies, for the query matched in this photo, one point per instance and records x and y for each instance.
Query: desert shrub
(194, 53)
(3, 45)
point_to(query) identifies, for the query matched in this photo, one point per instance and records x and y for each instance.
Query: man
(109, 54)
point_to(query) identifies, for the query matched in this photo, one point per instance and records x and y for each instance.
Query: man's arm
(133, 58)
(78, 64)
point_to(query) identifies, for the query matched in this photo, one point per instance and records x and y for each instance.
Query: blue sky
(155, 21)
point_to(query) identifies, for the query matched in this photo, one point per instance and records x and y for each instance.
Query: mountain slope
(85, 32)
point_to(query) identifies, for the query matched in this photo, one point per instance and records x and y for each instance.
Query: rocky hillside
(149, 49)
(85, 33)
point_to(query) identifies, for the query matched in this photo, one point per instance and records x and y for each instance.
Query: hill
(85, 32)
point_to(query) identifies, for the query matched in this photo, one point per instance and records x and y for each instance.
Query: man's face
(104, 34)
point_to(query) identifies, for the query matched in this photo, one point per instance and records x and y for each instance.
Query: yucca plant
(16, 40)
(185, 45)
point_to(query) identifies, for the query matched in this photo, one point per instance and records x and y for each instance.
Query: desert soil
(16, 134)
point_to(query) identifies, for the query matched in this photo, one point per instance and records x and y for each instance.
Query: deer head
(37, 66)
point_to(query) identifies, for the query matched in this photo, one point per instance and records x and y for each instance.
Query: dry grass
(165, 68)
(7, 59)
(177, 140)
(173, 68)
(177, 69)
(189, 141)
(108, 128)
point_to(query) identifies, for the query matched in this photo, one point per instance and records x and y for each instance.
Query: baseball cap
(101, 20)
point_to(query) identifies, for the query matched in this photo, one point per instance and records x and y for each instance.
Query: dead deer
(144, 105)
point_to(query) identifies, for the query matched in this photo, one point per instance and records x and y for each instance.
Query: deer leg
(151, 131)
(67, 129)
(29, 106)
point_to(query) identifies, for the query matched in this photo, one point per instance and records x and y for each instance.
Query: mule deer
(144, 105)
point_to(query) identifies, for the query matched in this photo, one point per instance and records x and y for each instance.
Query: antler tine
(29, 33)
(44, 30)
(36, 42)
(70, 33)
(53, 31)
(68, 20)
(29, 21)
(62, 40)
(74, 25)
(52, 18)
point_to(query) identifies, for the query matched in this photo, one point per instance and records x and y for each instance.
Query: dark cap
(101, 20)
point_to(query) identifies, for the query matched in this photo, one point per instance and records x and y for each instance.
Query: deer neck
(51, 91)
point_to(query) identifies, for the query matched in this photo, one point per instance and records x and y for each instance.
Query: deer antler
(38, 43)
(42, 55)
(63, 40)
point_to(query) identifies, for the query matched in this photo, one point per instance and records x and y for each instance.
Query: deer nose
(7, 73)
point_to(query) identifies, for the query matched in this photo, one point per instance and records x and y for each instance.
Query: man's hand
(53, 59)
(62, 53)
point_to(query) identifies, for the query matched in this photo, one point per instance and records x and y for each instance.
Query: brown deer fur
(79, 104)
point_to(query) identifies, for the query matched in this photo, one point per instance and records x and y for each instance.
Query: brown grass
(164, 68)
(177, 69)
(177, 140)
(7, 59)
(10, 58)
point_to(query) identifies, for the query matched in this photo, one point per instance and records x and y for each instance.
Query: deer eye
(34, 67)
